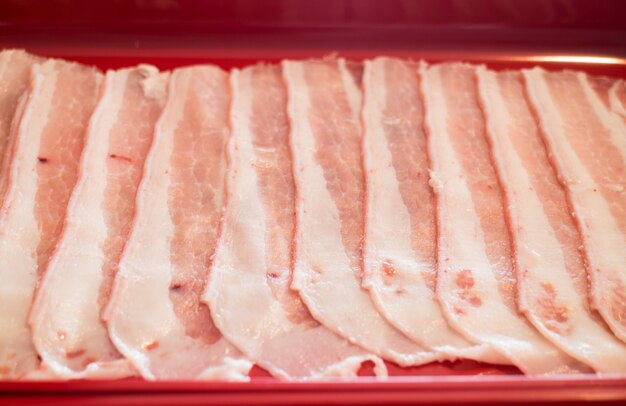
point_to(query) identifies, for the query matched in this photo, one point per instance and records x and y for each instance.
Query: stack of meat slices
(308, 217)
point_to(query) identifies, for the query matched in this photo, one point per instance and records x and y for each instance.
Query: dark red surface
(169, 33)
(425, 390)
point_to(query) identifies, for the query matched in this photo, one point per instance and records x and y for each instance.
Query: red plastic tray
(580, 34)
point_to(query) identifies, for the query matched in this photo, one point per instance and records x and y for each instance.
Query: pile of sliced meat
(308, 217)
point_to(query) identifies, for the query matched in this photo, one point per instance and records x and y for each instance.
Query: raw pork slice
(475, 281)
(155, 316)
(610, 92)
(324, 106)
(14, 78)
(617, 98)
(588, 146)
(43, 171)
(248, 290)
(400, 241)
(67, 330)
(552, 279)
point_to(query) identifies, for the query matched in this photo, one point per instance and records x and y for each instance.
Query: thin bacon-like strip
(15, 68)
(552, 279)
(155, 315)
(400, 238)
(43, 171)
(587, 142)
(324, 108)
(67, 330)
(617, 98)
(248, 289)
(475, 282)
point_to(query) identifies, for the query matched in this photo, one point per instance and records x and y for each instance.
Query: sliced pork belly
(154, 315)
(611, 93)
(475, 281)
(400, 238)
(552, 276)
(14, 79)
(43, 171)
(67, 329)
(248, 290)
(324, 106)
(587, 143)
(617, 98)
